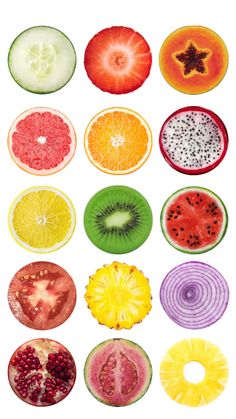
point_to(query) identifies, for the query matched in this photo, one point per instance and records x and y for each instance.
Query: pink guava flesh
(118, 372)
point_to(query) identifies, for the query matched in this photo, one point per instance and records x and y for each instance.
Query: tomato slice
(42, 295)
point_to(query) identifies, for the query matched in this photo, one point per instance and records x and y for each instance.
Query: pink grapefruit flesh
(42, 141)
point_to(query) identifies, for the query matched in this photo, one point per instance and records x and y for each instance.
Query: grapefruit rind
(145, 359)
(66, 160)
(224, 225)
(142, 121)
(58, 245)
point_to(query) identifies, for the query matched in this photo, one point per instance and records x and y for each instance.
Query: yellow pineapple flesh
(118, 295)
(172, 372)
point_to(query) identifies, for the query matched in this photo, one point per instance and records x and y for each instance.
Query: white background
(80, 100)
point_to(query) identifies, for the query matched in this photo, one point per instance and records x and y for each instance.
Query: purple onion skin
(194, 295)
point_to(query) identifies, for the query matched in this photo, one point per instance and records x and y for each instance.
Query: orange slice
(118, 141)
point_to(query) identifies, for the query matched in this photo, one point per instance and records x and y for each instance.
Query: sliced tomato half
(42, 295)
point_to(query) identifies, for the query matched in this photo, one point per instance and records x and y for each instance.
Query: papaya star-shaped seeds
(193, 59)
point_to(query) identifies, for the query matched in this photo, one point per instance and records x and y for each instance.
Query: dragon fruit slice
(193, 140)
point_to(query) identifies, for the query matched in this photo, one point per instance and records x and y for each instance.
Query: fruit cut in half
(194, 219)
(118, 141)
(118, 372)
(193, 140)
(193, 59)
(118, 295)
(42, 141)
(42, 219)
(42, 295)
(41, 372)
(42, 59)
(189, 393)
(118, 60)
(194, 295)
(118, 219)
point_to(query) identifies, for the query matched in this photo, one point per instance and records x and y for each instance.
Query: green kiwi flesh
(118, 219)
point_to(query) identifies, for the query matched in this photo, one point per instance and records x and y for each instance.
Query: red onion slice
(194, 295)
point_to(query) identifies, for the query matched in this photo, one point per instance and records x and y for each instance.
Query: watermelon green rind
(206, 248)
(11, 54)
(131, 344)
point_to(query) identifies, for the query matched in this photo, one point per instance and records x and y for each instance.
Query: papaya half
(193, 59)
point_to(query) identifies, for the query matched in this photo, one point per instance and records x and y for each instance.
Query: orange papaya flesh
(193, 59)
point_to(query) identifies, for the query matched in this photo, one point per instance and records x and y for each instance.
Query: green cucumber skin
(23, 86)
(193, 252)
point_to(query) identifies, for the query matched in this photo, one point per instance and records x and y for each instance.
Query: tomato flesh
(42, 295)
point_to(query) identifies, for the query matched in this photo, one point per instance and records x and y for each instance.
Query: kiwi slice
(118, 219)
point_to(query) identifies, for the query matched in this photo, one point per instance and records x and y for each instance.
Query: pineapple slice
(118, 295)
(183, 391)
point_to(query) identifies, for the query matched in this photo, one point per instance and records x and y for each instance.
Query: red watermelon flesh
(194, 220)
(42, 141)
(118, 372)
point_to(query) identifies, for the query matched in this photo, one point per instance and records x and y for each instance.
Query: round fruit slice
(194, 295)
(118, 60)
(42, 219)
(190, 393)
(42, 295)
(118, 295)
(42, 141)
(194, 220)
(41, 372)
(118, 219)
(118, 141)
(193, 59)
(193, 140)
(118, 372)
(42, 59)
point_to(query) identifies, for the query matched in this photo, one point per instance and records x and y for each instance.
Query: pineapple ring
(174, 381)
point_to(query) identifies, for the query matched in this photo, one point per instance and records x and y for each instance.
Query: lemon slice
(42, 219)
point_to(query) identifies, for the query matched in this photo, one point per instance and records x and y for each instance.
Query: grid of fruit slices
(124, 58)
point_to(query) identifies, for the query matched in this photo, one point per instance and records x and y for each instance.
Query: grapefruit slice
(118, 141)
(118, 60)
(194, 220)
(42, 219)
(42, 141)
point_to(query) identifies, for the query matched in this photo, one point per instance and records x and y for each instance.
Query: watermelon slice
(42, 141)
(193, 140)
(194, 220)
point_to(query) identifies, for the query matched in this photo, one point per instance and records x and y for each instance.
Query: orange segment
(118, 141)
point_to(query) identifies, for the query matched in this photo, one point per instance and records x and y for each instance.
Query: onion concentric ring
(194, 295)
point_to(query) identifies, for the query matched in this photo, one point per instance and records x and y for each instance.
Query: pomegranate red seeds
(41, 372)
(118, 60)
(42, 295)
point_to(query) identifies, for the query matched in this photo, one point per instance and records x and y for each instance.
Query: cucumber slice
(42, 59)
